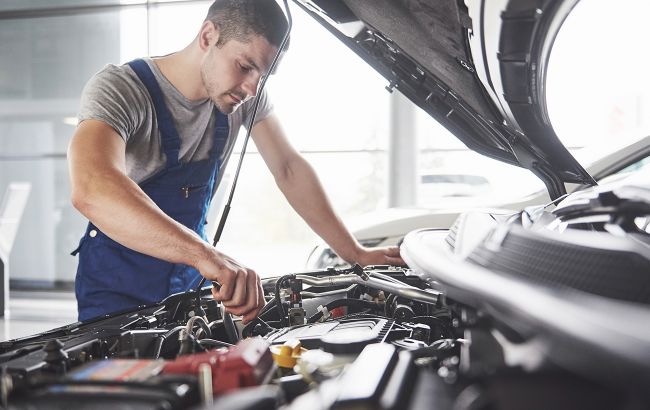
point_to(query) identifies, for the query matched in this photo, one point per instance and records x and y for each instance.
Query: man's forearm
(120, 209)
(303, 190)
(300, 185)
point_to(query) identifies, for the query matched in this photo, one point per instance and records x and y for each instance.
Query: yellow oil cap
(287, 354)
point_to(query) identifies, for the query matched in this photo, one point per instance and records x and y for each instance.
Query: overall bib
(111, 277)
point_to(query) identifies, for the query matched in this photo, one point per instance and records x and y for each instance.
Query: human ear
(208, 35)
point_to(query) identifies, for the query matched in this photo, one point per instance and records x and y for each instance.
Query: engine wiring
(355, 282)
(357, 303)
(174, 339)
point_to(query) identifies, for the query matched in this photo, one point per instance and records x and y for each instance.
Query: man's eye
(244, 69)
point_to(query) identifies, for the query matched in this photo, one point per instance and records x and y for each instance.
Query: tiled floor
(35, 312)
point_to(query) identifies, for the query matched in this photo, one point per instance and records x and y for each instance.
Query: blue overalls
(111, 277)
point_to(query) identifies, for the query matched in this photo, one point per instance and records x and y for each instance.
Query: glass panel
(452, 175)
(23, 5)
(52, 58)
(44, 64)
(326, 96)
(166, 35)
(598, 89)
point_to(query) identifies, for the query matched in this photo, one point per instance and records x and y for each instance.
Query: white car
(388, 226)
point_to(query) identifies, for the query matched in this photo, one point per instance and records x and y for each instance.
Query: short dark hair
(239, 19)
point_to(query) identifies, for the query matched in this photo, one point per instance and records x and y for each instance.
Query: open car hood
(478, 68)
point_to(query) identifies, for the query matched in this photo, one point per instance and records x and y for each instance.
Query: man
(145, 160)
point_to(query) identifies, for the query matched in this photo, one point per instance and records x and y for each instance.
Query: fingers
(233, 288)
(382, 256)
(247, 297)
(227, 280)
(241, 288)
(393, 256)
(240, 306)
(239, 293)
(260, 304)
(393, 252)
(395, 261)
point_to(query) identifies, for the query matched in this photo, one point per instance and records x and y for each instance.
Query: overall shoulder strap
(171, 142)
(221, 133)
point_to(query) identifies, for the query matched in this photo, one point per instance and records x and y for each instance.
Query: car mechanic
(145, 158)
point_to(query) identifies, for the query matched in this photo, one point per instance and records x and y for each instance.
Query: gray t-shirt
(116, 96)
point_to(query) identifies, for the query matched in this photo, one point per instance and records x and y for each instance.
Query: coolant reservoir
(286, 355)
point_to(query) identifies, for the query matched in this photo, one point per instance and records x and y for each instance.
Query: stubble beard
(224, 108)
(221, 101)
(217, 99)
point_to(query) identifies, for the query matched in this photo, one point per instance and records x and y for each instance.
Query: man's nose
(250, 85)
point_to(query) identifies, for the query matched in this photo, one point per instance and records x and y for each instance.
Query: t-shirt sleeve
(112, 96)
(264, 109)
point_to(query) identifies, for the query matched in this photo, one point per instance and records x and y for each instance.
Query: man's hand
(379, 256)
(241, 289)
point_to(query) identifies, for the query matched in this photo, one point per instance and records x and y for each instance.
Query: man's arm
(300, 185)
(103, 192)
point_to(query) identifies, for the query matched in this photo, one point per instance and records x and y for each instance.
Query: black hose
(434, 321)
(246, 332)
(204, 326)
(439, 349)
(358, 303)
(268, 307)
(265, 310)
(231, 329)
(278, 300)
(189, 344)
(161, 339)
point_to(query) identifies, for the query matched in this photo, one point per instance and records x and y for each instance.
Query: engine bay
(531, 310)
(379, 337)
(187, 350)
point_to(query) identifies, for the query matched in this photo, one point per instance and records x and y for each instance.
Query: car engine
(500, 312)
(186, 352)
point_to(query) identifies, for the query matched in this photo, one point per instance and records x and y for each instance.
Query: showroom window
(452, 175)
(598, 88)
(45, 60)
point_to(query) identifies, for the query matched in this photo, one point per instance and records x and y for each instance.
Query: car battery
(111, 384)
(157, 383)
(247, 364)
(128, 370)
